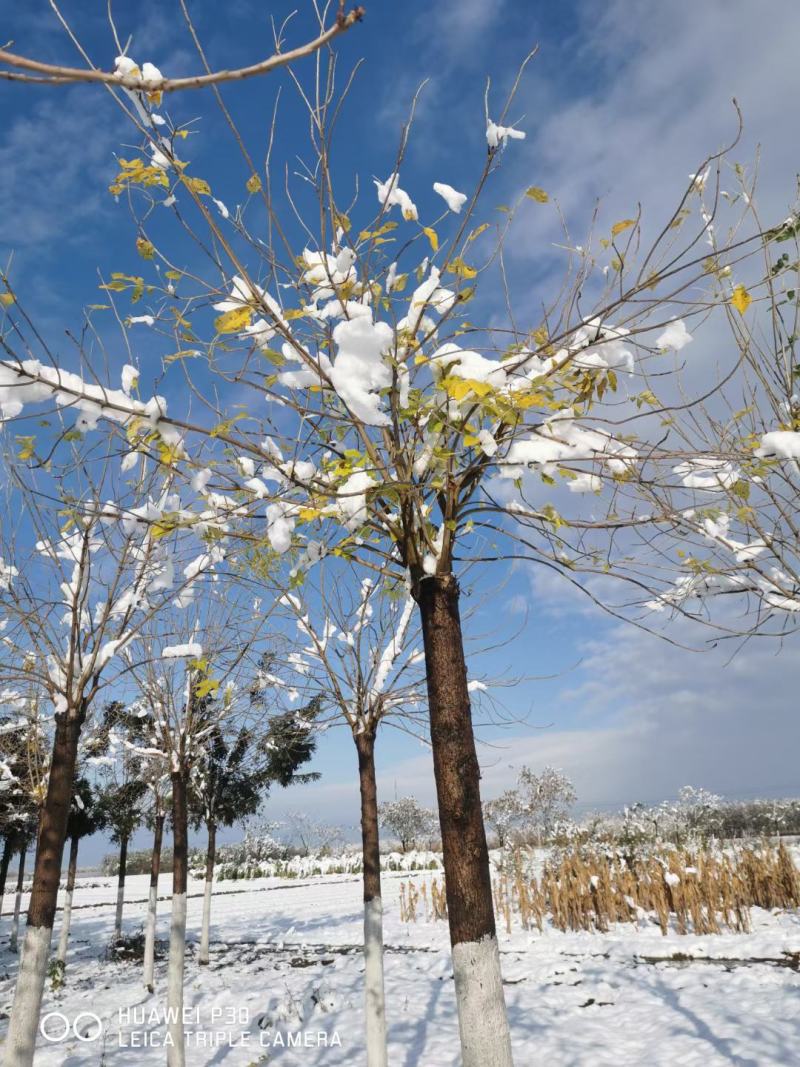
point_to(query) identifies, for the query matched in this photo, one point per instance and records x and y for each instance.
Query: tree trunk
(24, 1022)
(375, 1003)
(12, 944)
(176, 1053)
(211, 855)
(8, 850)
(482, 1020)
(63, 940)
(123, 863)
(152, 907)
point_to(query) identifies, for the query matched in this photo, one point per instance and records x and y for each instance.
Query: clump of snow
(785, 444)
(359, 370)
(130, 378)
(464, 363)
(454, 200)
(390, 193)
(351, 499)
(192, 649)
(675, 336)
(280, 525)
(500, 135)
(710, 475)
(560, 439)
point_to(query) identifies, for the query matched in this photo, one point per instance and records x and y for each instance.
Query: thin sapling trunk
(152, 907)
(123, 863)
(176, 1053)
(12, 944)
(375, 1003)
(8, 850)
(63, 941)
(210, 859)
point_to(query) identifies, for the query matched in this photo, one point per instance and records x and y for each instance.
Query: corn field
(700, 891)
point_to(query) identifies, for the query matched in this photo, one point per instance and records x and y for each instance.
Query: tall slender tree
(359, 661)
(234, 776)
(86, 817)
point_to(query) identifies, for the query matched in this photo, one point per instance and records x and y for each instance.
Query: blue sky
(623, 101)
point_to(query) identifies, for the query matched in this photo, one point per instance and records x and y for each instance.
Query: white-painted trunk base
(24, 1022)
(12, 942)
(120, 906)
(63, 940)
(482, 1020)
(205, 933)
(176, 1053)
(375, 1004)
(150, 939)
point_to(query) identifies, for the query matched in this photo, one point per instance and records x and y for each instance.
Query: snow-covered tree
(504, 814)
(358, 659)
(408, 421)
(193, 681)
(545, 800)
(408, 820)
(80, 576)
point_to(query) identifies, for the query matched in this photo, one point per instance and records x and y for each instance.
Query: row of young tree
(369, 410)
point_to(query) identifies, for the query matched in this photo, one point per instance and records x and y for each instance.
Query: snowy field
(286, 968)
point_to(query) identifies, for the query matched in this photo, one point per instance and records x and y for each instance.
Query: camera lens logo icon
(56, 1027)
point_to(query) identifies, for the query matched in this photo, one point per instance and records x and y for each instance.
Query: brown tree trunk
(370, 839)
(24, 1022)
(176, 1053)
(123, 864)
(155, 859)
(373, 905)
(53, 823)
(483, 1024)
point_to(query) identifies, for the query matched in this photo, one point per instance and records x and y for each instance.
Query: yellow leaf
(6, 299)
(199, 186)
(478, 231)
(462, 269)
(621, 227)
(537, 194)
(233, 321)
(145, 248)
(741, 299)
(432, 236)
(206, 688)
(253, 184)
(458, 388)
(27, 447)
(387, 227)
(169, 454)
(308, 514)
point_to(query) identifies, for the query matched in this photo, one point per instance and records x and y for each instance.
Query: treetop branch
(52, 74)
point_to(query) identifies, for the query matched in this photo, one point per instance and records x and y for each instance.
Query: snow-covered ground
(286, 967)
